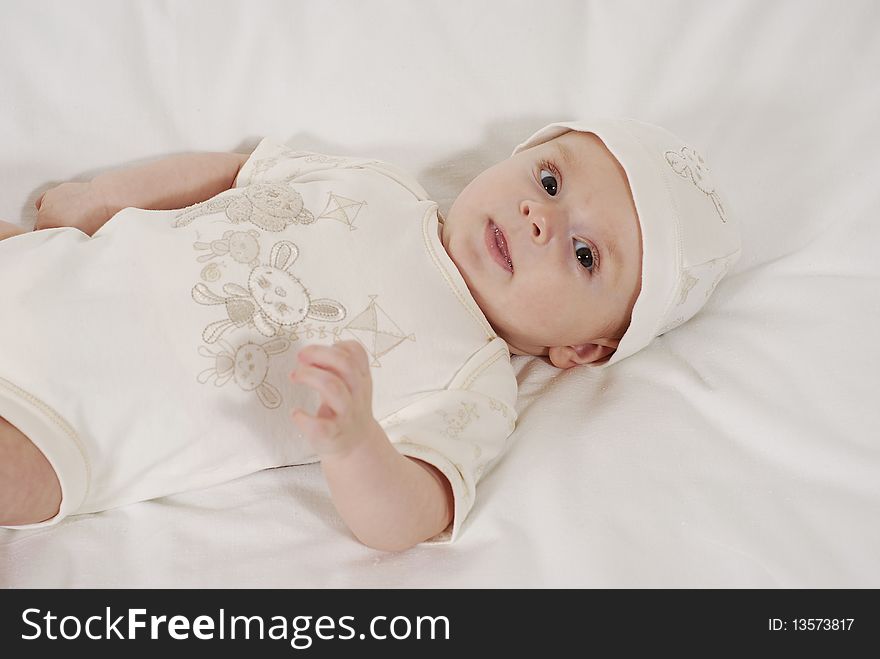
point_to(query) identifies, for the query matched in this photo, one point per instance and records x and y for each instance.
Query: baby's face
(549, 244)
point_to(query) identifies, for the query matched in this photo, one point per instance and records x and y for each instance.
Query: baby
(180, 324)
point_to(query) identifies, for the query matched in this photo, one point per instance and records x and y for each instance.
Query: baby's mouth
(497, 245)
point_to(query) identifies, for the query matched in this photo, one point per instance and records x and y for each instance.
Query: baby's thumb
(302, 421)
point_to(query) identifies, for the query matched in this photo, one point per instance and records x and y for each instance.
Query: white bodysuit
(153, 357)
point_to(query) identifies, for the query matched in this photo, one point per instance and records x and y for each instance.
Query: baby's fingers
(343, 360)
(337, 358)
(333, 390)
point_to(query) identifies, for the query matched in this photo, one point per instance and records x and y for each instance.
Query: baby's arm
(165, 184)
(389, 501)
(7, 230)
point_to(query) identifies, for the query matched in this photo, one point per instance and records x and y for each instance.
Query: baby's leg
(8, 230)
(29, 489)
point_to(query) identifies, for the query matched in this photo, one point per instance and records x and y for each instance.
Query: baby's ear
(585, 353)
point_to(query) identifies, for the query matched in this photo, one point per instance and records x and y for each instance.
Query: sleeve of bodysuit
(275, 162)
(462, 430)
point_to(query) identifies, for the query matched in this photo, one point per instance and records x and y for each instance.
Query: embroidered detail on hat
(687, 283)
(689, 164)
(721, 266)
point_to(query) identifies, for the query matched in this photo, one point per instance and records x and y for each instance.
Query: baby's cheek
(543, 294)
(532, 308)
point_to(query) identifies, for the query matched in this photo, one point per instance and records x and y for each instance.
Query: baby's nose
(538, 217)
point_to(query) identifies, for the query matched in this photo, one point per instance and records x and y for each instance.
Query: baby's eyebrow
(567, 156)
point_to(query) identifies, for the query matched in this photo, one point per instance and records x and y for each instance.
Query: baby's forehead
(581, 149)
(586, 154)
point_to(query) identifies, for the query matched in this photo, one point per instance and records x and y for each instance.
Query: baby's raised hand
(341, 375)
(74, 204)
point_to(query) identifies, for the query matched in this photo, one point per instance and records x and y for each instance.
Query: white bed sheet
(741, 450)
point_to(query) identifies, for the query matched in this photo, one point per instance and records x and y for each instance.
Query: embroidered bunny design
(689, 164)
(242, 246)
(273, 301)
(270, 206)
(248, 366)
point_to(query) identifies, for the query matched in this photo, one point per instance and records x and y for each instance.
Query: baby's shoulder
(275, 160)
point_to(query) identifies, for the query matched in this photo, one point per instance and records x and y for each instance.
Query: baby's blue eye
(548, 180)
(584, 254)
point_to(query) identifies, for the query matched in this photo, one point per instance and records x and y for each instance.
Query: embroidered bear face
(269, 206)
